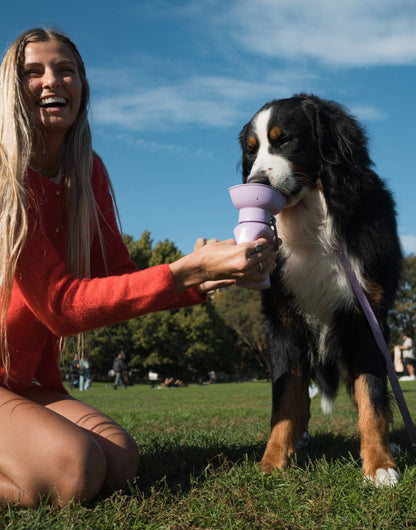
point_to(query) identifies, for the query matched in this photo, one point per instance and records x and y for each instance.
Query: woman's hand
(224, 263)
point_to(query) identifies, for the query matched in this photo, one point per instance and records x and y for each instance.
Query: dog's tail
(327, 377)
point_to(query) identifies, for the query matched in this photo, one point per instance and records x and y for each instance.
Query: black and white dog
(315, 153)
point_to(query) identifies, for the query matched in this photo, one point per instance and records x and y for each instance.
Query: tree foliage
(241, 311)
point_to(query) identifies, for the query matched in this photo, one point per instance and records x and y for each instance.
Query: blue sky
(174, 81)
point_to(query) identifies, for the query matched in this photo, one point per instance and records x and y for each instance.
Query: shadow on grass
(178, 468)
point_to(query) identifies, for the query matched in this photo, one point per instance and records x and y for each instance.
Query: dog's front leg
(290, 418)
(378, 462)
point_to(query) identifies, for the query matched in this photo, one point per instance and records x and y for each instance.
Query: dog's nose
(259, 178)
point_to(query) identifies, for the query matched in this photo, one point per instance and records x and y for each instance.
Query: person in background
(64, 269)
(398, 360)
(74, 373)
(84, 374)
(408, 358)
(120, 370)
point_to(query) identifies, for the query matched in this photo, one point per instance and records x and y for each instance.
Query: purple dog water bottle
(256, 203)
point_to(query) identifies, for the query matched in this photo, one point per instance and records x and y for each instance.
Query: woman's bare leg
(120, 449)
(52, 445)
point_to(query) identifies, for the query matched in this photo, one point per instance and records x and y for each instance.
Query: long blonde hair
(18, 130)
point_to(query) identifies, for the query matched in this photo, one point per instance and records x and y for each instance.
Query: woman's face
(52, 86)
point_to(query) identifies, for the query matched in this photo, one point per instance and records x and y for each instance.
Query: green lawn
(200, 447)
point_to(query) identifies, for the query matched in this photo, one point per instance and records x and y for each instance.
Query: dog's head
(292, 144)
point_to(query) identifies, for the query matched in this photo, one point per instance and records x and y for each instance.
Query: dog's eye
(284, 142)
(252, 145)
(252, 149)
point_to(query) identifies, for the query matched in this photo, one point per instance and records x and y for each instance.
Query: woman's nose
(50, 79)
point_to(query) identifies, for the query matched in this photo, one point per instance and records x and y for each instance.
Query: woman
(64, 269)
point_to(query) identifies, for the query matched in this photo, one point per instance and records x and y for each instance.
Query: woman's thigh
(119, 447)
(52, 444)
(44, 453)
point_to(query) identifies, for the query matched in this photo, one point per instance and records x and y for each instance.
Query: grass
(200, 447)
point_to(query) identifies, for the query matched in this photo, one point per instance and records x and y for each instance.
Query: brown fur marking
(375, 292)
(375, 447)
(275, 133)
(288, 424)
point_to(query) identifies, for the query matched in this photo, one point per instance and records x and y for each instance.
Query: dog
(315, 153)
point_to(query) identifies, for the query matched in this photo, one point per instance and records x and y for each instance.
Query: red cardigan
(48, 302)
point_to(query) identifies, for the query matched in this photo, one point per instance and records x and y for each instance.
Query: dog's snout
(259, 178)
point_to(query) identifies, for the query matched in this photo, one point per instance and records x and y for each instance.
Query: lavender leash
(378, 335)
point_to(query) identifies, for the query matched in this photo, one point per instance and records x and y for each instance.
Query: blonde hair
(18, 129)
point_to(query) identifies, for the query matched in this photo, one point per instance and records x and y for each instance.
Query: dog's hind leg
(290, 418)
(373, 421)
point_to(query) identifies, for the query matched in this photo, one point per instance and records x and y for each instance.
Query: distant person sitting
(170, 382)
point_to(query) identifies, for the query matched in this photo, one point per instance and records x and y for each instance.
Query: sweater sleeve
(68, 305)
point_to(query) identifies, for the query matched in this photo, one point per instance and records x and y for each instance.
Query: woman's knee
(81, 469)
(122, 460)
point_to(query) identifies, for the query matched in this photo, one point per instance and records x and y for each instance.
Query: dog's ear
(341, 140)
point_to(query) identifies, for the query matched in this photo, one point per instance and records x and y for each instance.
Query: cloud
(170, 149)
(205, 101)
(345, 33)
(263, 50)
(408, 243)
(367, 113)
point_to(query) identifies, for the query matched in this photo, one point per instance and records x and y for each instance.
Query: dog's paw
(384, 477)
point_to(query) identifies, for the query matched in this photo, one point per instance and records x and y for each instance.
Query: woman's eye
(31, 73)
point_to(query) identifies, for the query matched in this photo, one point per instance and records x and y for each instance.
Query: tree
(140, 251)
(186, 342)
(164, 252)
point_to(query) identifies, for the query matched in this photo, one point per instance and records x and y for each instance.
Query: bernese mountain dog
(315, 153)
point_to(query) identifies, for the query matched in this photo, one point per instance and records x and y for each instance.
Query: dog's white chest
(312, 271)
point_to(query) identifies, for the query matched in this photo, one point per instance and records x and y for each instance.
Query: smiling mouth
(52, 102)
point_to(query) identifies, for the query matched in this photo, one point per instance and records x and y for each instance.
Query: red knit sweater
(48, 302)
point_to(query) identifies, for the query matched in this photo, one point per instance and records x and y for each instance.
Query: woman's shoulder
(100, 178)
(98, 167)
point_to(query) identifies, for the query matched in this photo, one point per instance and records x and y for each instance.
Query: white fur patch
(327, 404)
(275, 167)
(384, 478)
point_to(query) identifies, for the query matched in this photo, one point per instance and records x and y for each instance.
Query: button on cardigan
(48, 302)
